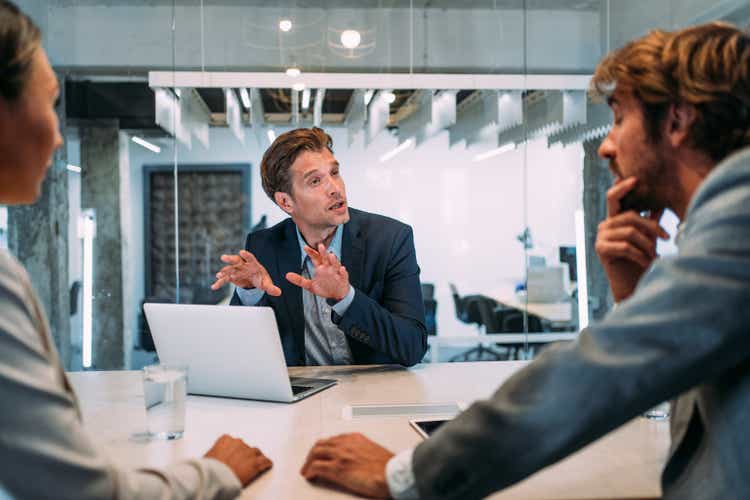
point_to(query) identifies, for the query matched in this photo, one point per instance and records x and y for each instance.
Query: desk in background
(559, 314)
(624, 464)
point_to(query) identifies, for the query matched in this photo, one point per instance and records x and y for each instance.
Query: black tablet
(425, 428)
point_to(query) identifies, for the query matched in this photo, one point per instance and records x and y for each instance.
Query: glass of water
(165, 392)
(658, 412)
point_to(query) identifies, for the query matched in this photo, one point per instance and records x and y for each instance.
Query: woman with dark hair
(44, 451)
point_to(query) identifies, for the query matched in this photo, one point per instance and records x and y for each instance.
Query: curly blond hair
(706, 66)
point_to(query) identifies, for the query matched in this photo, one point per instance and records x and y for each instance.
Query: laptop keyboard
(296, 389)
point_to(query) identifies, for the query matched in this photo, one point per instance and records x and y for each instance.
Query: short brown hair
(706, 66)
(19, 38)
(278, 159)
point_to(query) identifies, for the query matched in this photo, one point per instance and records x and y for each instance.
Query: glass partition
(466, 120)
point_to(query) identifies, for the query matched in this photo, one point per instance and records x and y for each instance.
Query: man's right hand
(246, 462)
(626, 241)
(245, 271)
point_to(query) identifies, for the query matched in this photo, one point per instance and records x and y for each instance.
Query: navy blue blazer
(385, 322)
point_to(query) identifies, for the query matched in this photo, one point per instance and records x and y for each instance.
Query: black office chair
(512, 322)
(479, 310)
(430, 308)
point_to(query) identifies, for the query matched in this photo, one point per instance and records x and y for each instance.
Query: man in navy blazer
(343, 283)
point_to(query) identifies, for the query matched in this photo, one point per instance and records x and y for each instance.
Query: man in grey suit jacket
(680, 140)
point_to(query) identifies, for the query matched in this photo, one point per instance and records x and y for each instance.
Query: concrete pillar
(596, 180)
(100, 190)
(38, 237)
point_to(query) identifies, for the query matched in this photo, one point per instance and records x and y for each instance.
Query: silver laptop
(229, 351)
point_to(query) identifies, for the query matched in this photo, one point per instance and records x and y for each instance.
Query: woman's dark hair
(19, 38)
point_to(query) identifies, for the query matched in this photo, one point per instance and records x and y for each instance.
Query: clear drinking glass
(658, 412)
(165, 392)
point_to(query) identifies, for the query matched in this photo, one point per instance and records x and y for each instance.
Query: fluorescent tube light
(87, 232)
(146, 144)
(74, 168)
(398, 149)
(495, 152)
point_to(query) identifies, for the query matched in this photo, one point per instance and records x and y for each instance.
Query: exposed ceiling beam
(421, 81)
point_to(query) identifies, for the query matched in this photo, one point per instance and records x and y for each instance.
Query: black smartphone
(425, 428)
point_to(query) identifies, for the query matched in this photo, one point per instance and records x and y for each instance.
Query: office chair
(430, 308)
(512, 322)
(479, 310)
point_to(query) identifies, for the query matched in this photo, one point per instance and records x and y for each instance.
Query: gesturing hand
(626, 241)
(331, 279)
(350, 461)
(245, 271)
(246, 462)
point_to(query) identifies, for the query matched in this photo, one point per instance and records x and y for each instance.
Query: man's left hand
(350, 461)
(331, 280)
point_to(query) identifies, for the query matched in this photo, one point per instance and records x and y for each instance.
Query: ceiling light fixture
(398, 149)
(245, 98)
(299, 86)
(146, 144)
(389, 97)
(495, 152)
(293, 72)
(305, 98)
(285, 25)
(350, 39)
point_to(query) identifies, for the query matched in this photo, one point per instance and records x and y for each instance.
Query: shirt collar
(334, 247)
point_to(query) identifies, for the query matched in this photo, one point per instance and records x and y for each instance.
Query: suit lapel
(288, 260)
(353, 250)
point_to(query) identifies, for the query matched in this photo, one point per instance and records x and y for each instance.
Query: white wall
(465, 215)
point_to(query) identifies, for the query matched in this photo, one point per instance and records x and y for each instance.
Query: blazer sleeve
(685, 324)
(396, 325)
(44, 449)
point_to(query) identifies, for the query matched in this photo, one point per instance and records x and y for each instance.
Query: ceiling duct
(598, 123)
(546, 113)
(469, 119)
(356, 113)
(168, 115)
(295, 107)
(501, 110)
(443, 115)
(409, 127)
(377, 116)
(195, 115)
(320, 96)
(257, 118)
(234, 114)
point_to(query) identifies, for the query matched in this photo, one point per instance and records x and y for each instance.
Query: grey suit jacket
(684, 333)
(44, 450)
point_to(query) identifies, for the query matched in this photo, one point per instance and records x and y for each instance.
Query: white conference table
(623, 465)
